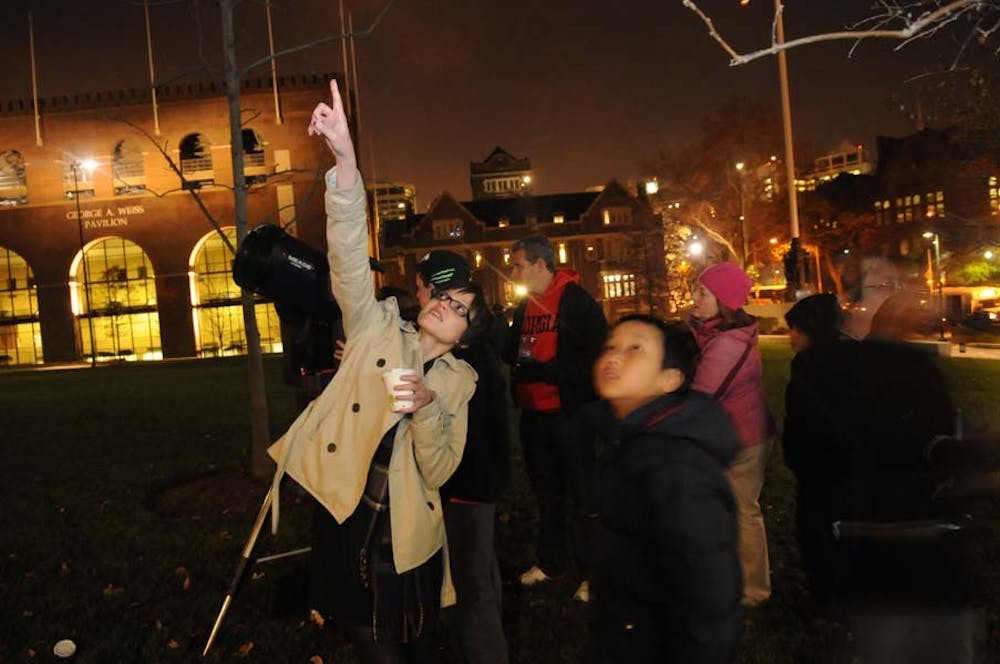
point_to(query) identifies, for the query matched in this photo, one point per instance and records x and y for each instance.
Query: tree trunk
(261, 465)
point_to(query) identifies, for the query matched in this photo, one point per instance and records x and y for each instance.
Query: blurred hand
(338, 354)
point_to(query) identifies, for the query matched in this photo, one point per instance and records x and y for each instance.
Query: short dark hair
(680, 349)
(535, 247)
(819, 317)
(480, 318)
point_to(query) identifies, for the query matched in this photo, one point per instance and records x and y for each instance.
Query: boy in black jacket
(666, 581)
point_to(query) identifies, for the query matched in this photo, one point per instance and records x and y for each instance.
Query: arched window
(13, 185)
(20, 336)
(196, 161)
(128, 169)
(218, 313)
(115, 299)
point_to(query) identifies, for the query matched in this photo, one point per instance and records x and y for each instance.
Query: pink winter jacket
(737, 387)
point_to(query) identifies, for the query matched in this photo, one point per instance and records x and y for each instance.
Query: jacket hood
(704, 329)
(562, 277)
(693, 416)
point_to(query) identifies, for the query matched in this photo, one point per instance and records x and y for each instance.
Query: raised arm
(330, 122)
(346, 218)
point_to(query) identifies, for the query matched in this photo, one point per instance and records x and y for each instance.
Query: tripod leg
(241, 569)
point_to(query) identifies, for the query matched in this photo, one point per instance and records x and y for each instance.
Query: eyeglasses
(455, 305)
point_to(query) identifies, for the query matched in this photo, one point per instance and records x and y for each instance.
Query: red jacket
(730, 370)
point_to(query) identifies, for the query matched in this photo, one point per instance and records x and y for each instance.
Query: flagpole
(354, 73)
(152, 74)
(343, 55)
(274, 66)
(34, 80)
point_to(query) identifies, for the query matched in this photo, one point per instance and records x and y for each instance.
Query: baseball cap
(443, 269)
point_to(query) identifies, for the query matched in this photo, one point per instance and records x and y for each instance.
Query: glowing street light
(936, 241)
(988, 255)
(696, 248)
(87, 166)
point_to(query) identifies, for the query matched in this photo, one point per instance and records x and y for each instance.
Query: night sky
(587, 90)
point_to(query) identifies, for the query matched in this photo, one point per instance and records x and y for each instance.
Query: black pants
(560, 478)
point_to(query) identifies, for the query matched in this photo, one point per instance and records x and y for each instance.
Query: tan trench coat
(330, 445)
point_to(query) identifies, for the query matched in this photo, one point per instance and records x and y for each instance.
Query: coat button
(356, 407)
(430, 506)
(332, 447)
(380, 362)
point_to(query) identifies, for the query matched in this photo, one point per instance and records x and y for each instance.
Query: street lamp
(936, 241)
(743, 220)
(88, 166)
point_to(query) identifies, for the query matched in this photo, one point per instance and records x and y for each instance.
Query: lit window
(447, 229)
(503, 222)
(619, 286)
(13, 186)
(558, 219)
(506, 256)
(479, 259)
(562, 253)
(994, 194)
(617, 215)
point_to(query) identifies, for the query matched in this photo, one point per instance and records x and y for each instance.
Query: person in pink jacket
(730, 371)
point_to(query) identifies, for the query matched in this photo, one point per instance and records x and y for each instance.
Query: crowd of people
(645, 445)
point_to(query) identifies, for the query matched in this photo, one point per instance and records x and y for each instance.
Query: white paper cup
(392, 378)
(64, 648)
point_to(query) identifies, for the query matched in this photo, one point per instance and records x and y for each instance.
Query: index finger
(335, 94)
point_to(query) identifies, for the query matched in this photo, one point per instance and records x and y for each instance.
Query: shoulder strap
(732, 373)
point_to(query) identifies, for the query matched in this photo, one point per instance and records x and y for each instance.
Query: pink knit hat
(728, 283)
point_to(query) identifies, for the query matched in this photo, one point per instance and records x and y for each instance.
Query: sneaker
(582, 593)
(535, 575)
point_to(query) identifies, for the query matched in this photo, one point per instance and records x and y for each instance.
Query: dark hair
(535, 247)
(680, 349)
(819, 317)
(480, 318)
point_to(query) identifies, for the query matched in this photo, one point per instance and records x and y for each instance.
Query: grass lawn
(125, 508)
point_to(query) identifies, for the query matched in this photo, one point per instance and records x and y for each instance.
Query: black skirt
(353, 579)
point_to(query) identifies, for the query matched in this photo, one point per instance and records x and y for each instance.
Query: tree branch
(926, 24)
(322, 40)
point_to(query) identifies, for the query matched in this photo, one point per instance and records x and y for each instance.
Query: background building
(98, 231)
(501, 175)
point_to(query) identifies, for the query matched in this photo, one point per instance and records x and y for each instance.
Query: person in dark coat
(471, 493)
(865, 414)
(556, 333)
(666, 584)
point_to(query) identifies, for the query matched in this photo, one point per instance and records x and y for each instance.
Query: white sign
(106, 217)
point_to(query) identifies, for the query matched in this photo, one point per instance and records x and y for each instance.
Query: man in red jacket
(557, 333)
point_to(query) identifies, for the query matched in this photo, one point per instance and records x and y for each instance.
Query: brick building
(612, 238)
(158, 275)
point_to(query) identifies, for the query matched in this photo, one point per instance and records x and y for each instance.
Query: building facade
(501, 175)
(105, 249)
(611, 238)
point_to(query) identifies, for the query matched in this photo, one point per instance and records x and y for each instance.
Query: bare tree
(976, 22)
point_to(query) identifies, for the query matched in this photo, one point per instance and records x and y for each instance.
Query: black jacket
(484, 470)
(859, 417)
(666, 582)
(582, 331)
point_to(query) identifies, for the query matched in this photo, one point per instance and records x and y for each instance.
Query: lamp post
(88, 165)
(743, 219)
(936, 241)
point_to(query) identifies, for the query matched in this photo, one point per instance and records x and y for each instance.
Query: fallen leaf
(173, 645)
(245, 649)
(316, 617)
